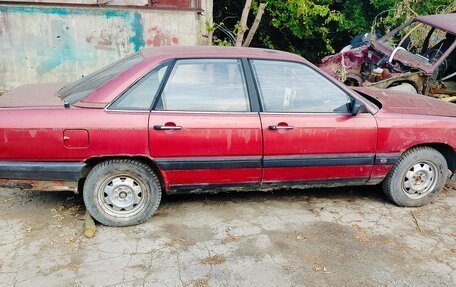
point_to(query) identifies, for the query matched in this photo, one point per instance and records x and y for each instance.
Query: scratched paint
(62, 44)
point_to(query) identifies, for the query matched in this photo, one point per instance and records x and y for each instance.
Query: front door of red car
(309, 133)
(202, 131)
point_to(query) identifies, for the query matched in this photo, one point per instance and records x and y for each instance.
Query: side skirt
(265, 186)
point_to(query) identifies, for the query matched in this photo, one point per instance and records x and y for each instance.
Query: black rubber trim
(255, 105)
(157, 102)
(41, 170)
(317, 160)
(387, 158)
(192, 163)
(208, 163)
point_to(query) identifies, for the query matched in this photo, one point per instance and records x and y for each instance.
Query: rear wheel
(121, 192)
(417, 177)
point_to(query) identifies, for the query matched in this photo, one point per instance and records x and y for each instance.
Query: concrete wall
(61, 44)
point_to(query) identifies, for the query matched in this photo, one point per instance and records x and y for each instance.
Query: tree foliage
(315, 28)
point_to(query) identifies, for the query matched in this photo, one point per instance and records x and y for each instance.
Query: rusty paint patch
(40, 185)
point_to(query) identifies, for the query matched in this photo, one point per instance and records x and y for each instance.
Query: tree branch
(243, 23)
(255, 25)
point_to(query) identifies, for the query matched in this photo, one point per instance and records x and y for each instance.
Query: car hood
(405, 103)
(34, 95)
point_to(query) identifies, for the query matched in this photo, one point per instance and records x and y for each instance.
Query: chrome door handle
(281, 127)
(164, 128)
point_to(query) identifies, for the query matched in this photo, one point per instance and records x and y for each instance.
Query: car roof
(215, 51)
(446, 22)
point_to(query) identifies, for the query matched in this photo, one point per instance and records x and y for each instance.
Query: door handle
(164, 128)
(275, 127)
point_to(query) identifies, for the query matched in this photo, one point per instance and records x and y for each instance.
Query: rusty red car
(195, 119)
(418, 57)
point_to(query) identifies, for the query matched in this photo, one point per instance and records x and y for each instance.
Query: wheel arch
(93, 161)
(446, 150)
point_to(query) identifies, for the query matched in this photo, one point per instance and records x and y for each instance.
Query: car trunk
(35, 95)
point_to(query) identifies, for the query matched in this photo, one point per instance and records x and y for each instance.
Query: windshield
(424, 43)
(78, 90)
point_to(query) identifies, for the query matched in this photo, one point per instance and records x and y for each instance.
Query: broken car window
(426, 43)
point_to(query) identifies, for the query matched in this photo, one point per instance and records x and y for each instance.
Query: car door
(202, 132)
(309, 133)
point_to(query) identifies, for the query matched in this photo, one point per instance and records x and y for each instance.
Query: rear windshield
(78, 90)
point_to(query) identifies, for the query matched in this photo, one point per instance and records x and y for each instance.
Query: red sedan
(203, 118)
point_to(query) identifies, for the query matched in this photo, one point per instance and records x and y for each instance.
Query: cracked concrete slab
(325, 237)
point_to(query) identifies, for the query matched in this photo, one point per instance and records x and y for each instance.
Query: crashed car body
(417, 57)
(186, 119)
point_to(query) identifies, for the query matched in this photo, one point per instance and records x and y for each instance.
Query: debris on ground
(90, 227)
(179, 242)
(213, 260)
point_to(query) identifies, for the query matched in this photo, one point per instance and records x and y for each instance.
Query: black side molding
(70, 171)
(190, 163)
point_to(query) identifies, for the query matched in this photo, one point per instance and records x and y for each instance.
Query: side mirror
(358, 107)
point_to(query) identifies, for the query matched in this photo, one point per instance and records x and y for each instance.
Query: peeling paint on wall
(61, 44)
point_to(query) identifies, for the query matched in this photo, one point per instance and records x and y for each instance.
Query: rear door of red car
(309, 133)
(202, 129)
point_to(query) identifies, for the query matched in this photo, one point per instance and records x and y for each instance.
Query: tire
(417, 178)
(404, 87)
(122, 192)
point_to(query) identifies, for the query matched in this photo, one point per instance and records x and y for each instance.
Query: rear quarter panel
(37, 134)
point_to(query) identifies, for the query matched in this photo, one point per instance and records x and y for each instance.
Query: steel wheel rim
(420, 179)
(122, 196)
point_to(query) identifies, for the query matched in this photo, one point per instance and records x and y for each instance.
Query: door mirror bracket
(357, 107)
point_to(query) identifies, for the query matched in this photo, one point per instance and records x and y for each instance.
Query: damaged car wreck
(417, 57)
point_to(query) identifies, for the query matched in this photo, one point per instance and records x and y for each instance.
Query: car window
(141, 95)
(290, 87)
(78, 90)
(205, 85)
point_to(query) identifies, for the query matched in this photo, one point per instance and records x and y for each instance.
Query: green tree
(315, 28)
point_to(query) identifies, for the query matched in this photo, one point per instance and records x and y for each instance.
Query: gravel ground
(325, 237)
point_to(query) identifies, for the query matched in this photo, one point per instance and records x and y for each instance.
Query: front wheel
(417, 177)
(121, 192)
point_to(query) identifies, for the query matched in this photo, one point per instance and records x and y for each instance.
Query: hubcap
(420, 180)
(122, 196)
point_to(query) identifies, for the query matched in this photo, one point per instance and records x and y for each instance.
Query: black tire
(122, 192)
(417, 178)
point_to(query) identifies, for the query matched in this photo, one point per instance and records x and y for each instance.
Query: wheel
(121, 192)
(417, 177)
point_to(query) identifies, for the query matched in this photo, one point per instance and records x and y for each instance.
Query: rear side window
(288, 87)
(141, 95)
(205, 85)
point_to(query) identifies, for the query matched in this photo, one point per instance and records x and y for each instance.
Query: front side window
(141, 95)
(288, 87)
(205, 85)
